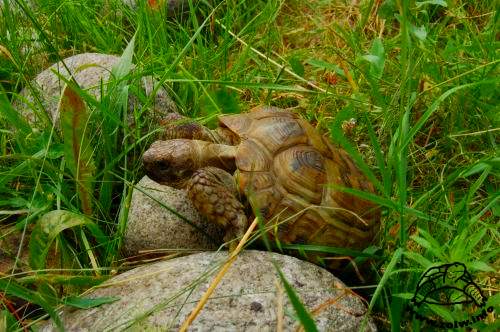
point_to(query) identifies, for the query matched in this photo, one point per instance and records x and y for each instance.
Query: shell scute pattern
(287, 169)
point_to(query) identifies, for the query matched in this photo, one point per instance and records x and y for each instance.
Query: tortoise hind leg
(213, 193)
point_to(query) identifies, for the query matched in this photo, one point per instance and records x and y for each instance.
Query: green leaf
(496, 210)
(442, 311)
(431, 2)
(494, 300)
(329, 250)
(481, 166)
(433, 242)
(419, 259)
(8, 322)
(436, 252)
(124, 65)
(115, 119)
(49, 226)
(387, 9)
(419, 32)
(227, 100)
(480, 266)
(376, 58)
(87, 303)
(55, 151)
(478, 183)
(62, 279)
(297, 66)
(303, 314)
(11, 287)
(406, 296)
(12, 116)
(78, 150)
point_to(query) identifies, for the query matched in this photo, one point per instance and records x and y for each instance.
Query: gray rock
(160, 296)
(90, 70)
(152, 226)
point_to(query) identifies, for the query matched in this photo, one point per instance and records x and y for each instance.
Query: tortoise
(287, 171)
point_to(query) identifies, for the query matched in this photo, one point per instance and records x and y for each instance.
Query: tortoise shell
(288, 171)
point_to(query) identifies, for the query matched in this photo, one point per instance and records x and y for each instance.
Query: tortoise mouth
(164, 173)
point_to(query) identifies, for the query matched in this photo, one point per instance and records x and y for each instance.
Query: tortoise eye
(189, 163)
(163, 165)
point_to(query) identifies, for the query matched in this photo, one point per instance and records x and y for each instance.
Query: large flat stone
(250, 297)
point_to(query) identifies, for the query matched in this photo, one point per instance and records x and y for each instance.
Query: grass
(419, 77)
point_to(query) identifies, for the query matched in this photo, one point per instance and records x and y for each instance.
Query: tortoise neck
(217, 155)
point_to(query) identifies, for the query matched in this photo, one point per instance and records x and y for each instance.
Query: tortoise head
(170, 161)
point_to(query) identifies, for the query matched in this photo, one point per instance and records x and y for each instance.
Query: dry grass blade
(279, 307)
(218, 278)
(5, 53)
(288, 71)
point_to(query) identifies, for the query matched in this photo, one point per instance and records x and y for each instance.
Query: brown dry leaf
(331, 78)
(394, 230)
(5, 53)
(348, 126)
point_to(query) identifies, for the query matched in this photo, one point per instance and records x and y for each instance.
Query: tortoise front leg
(213, 192)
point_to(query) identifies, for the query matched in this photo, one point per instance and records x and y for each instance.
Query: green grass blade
(338, 136)
(62, 279)
(124, 65)
(8, 322)
(423, 119)
(87, 303)
(385, 278)
(329, 250)
(17, 122)
(49, 226)
(187, 46)
(303, 314)
(10, 287)
(384, 170)
(376, 58)
(401, 175)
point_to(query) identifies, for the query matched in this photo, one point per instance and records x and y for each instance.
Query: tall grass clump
(408, 88)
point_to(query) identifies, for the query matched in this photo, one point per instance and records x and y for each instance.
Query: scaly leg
(213, 192)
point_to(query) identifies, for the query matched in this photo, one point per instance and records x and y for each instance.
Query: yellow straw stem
(218, 278)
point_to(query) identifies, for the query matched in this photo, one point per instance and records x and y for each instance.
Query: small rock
(89, 70)
(152, 226)
(160, 296)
